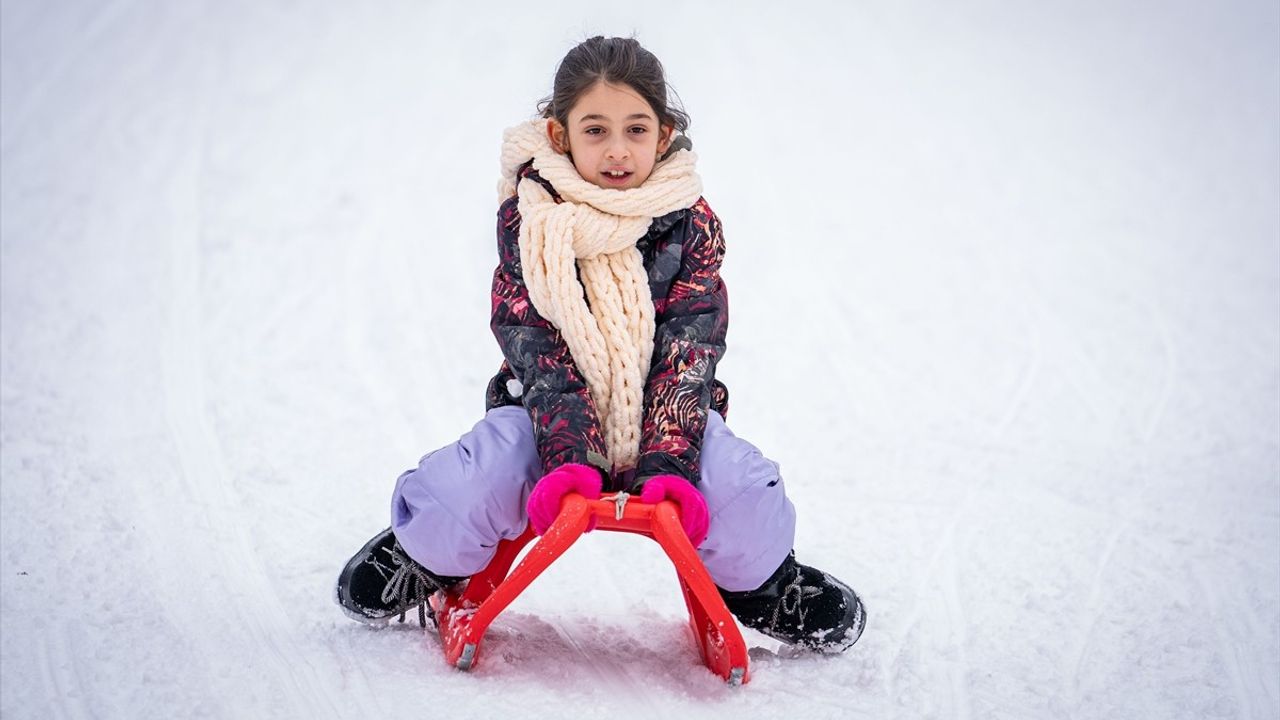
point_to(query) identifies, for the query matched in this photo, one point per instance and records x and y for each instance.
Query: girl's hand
(544, 501)
(694, 517)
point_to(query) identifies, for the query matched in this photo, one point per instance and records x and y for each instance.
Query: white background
(1005, 282)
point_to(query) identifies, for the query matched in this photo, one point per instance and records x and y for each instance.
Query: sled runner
(464, 615)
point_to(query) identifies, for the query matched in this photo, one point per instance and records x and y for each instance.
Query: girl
(611, 314)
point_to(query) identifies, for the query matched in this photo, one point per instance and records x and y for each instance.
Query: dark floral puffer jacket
(682, 252)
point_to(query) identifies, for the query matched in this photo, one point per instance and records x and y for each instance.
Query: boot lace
(407, 585)
(792, 601)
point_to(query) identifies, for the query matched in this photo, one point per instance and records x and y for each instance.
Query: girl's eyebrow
(633, 116)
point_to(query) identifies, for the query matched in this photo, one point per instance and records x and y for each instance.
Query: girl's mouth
(612, 179)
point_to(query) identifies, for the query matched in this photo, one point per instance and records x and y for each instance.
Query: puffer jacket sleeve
(689, 340)
(565, 422)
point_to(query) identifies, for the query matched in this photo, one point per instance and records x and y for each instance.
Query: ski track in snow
(205, 474)
(62, 673)
(1092, 605)
(944, 564)
(1037, 291)
(1229, 652)
(1129, 505)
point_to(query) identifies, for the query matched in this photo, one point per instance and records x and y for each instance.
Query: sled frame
(464, 613)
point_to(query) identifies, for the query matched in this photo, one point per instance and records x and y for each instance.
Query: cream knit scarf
(609, 329)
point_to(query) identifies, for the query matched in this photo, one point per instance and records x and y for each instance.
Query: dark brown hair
(619, 61)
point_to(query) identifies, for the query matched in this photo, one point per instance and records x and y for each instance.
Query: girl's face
(613, 137)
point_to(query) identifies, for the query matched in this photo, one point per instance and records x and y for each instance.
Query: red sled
(464, 615)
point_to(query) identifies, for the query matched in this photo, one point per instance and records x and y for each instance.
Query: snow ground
(1006, 292)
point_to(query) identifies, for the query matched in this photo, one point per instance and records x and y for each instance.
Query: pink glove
(694, 517)
(544, 501)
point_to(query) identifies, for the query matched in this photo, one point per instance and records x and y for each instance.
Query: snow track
(1006, 312)
(227, 548)
(61, 670)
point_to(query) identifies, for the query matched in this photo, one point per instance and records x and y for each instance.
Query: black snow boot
(803, 607)
(382, 581)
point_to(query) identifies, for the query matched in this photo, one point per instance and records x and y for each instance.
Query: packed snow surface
(1006, 308)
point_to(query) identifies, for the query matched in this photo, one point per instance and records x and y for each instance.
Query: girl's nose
(616, 151)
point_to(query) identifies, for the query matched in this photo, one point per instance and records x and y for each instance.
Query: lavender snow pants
(450, 512)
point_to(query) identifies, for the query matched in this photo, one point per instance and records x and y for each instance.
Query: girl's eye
(639, 129)
(594, 130)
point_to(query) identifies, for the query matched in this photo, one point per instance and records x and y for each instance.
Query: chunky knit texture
(606, 319)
